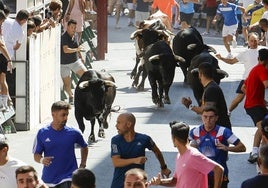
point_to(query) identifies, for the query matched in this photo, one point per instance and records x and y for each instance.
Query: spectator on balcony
(76, 11)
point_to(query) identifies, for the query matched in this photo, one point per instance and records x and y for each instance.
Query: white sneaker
(234, 43)
(229, 56)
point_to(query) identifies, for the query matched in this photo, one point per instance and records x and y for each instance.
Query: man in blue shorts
(228, 11)
(54, 148)
(128, 149)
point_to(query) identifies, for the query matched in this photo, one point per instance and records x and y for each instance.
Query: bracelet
(41, 160)
(164, 167)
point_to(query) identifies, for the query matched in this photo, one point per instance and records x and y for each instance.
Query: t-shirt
(192, 168)
(126, 150)
(213, 93)
(206, 143)
(260, 181)
(165, 6)
(229, 13)
(187, 8)
(249, 58)
(7, 173)
(71, 42)
(255, 11)
(142, 6)
(60, 145)
(12, 33)
(255, 90)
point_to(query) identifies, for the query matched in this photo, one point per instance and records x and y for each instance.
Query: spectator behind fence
(83, 178)
(76, 11)
(27, 177)
(54, 148)
(8, 165)
(261, 180)
(192, 167)
(128, 149)
(135, 178)
(71, 58)
(214, 141)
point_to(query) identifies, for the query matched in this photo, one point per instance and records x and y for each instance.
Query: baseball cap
(264, 126)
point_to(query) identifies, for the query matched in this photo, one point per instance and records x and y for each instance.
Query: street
(151, 120)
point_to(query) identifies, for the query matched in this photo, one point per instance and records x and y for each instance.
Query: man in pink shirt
(192, 167)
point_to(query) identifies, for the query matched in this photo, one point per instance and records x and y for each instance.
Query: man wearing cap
(8, 165)
(255, 104)
(212, 96)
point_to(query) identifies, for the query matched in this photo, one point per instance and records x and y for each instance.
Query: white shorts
(140, 16)
(65, 69)
(229, 30)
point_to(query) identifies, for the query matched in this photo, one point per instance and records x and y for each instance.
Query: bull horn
(219, 71)
(195, 70)
(83, 85)
(191, 46)
(154, 57)
(212, 49)
(135, 33)
(179, 58)
(163, 32)
(109, 83)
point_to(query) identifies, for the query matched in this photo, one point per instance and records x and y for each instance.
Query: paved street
(150, 119)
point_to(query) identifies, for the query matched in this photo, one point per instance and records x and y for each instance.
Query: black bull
(94, 96)
(189, 44)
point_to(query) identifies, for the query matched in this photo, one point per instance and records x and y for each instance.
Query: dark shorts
(238, 90)
(186, 17)
(256, 113)
(211, 11)
(224, 183)
(3, 64)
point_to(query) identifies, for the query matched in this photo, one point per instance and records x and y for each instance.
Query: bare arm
(265, 83)
(84, 153)
(226, 60)
(240, 147)
(68, 50)
(16, 46)
(164, 170)
(120, 162)
(167, 182)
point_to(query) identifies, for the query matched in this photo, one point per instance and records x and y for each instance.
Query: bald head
(129, 117)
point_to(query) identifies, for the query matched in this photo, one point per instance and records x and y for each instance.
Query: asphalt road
(151, 120)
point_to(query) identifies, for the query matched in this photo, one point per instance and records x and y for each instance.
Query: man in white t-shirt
(250, 58)
(13, 33)
(8, 165)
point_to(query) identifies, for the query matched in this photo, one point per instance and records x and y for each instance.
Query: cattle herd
(158, 53)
